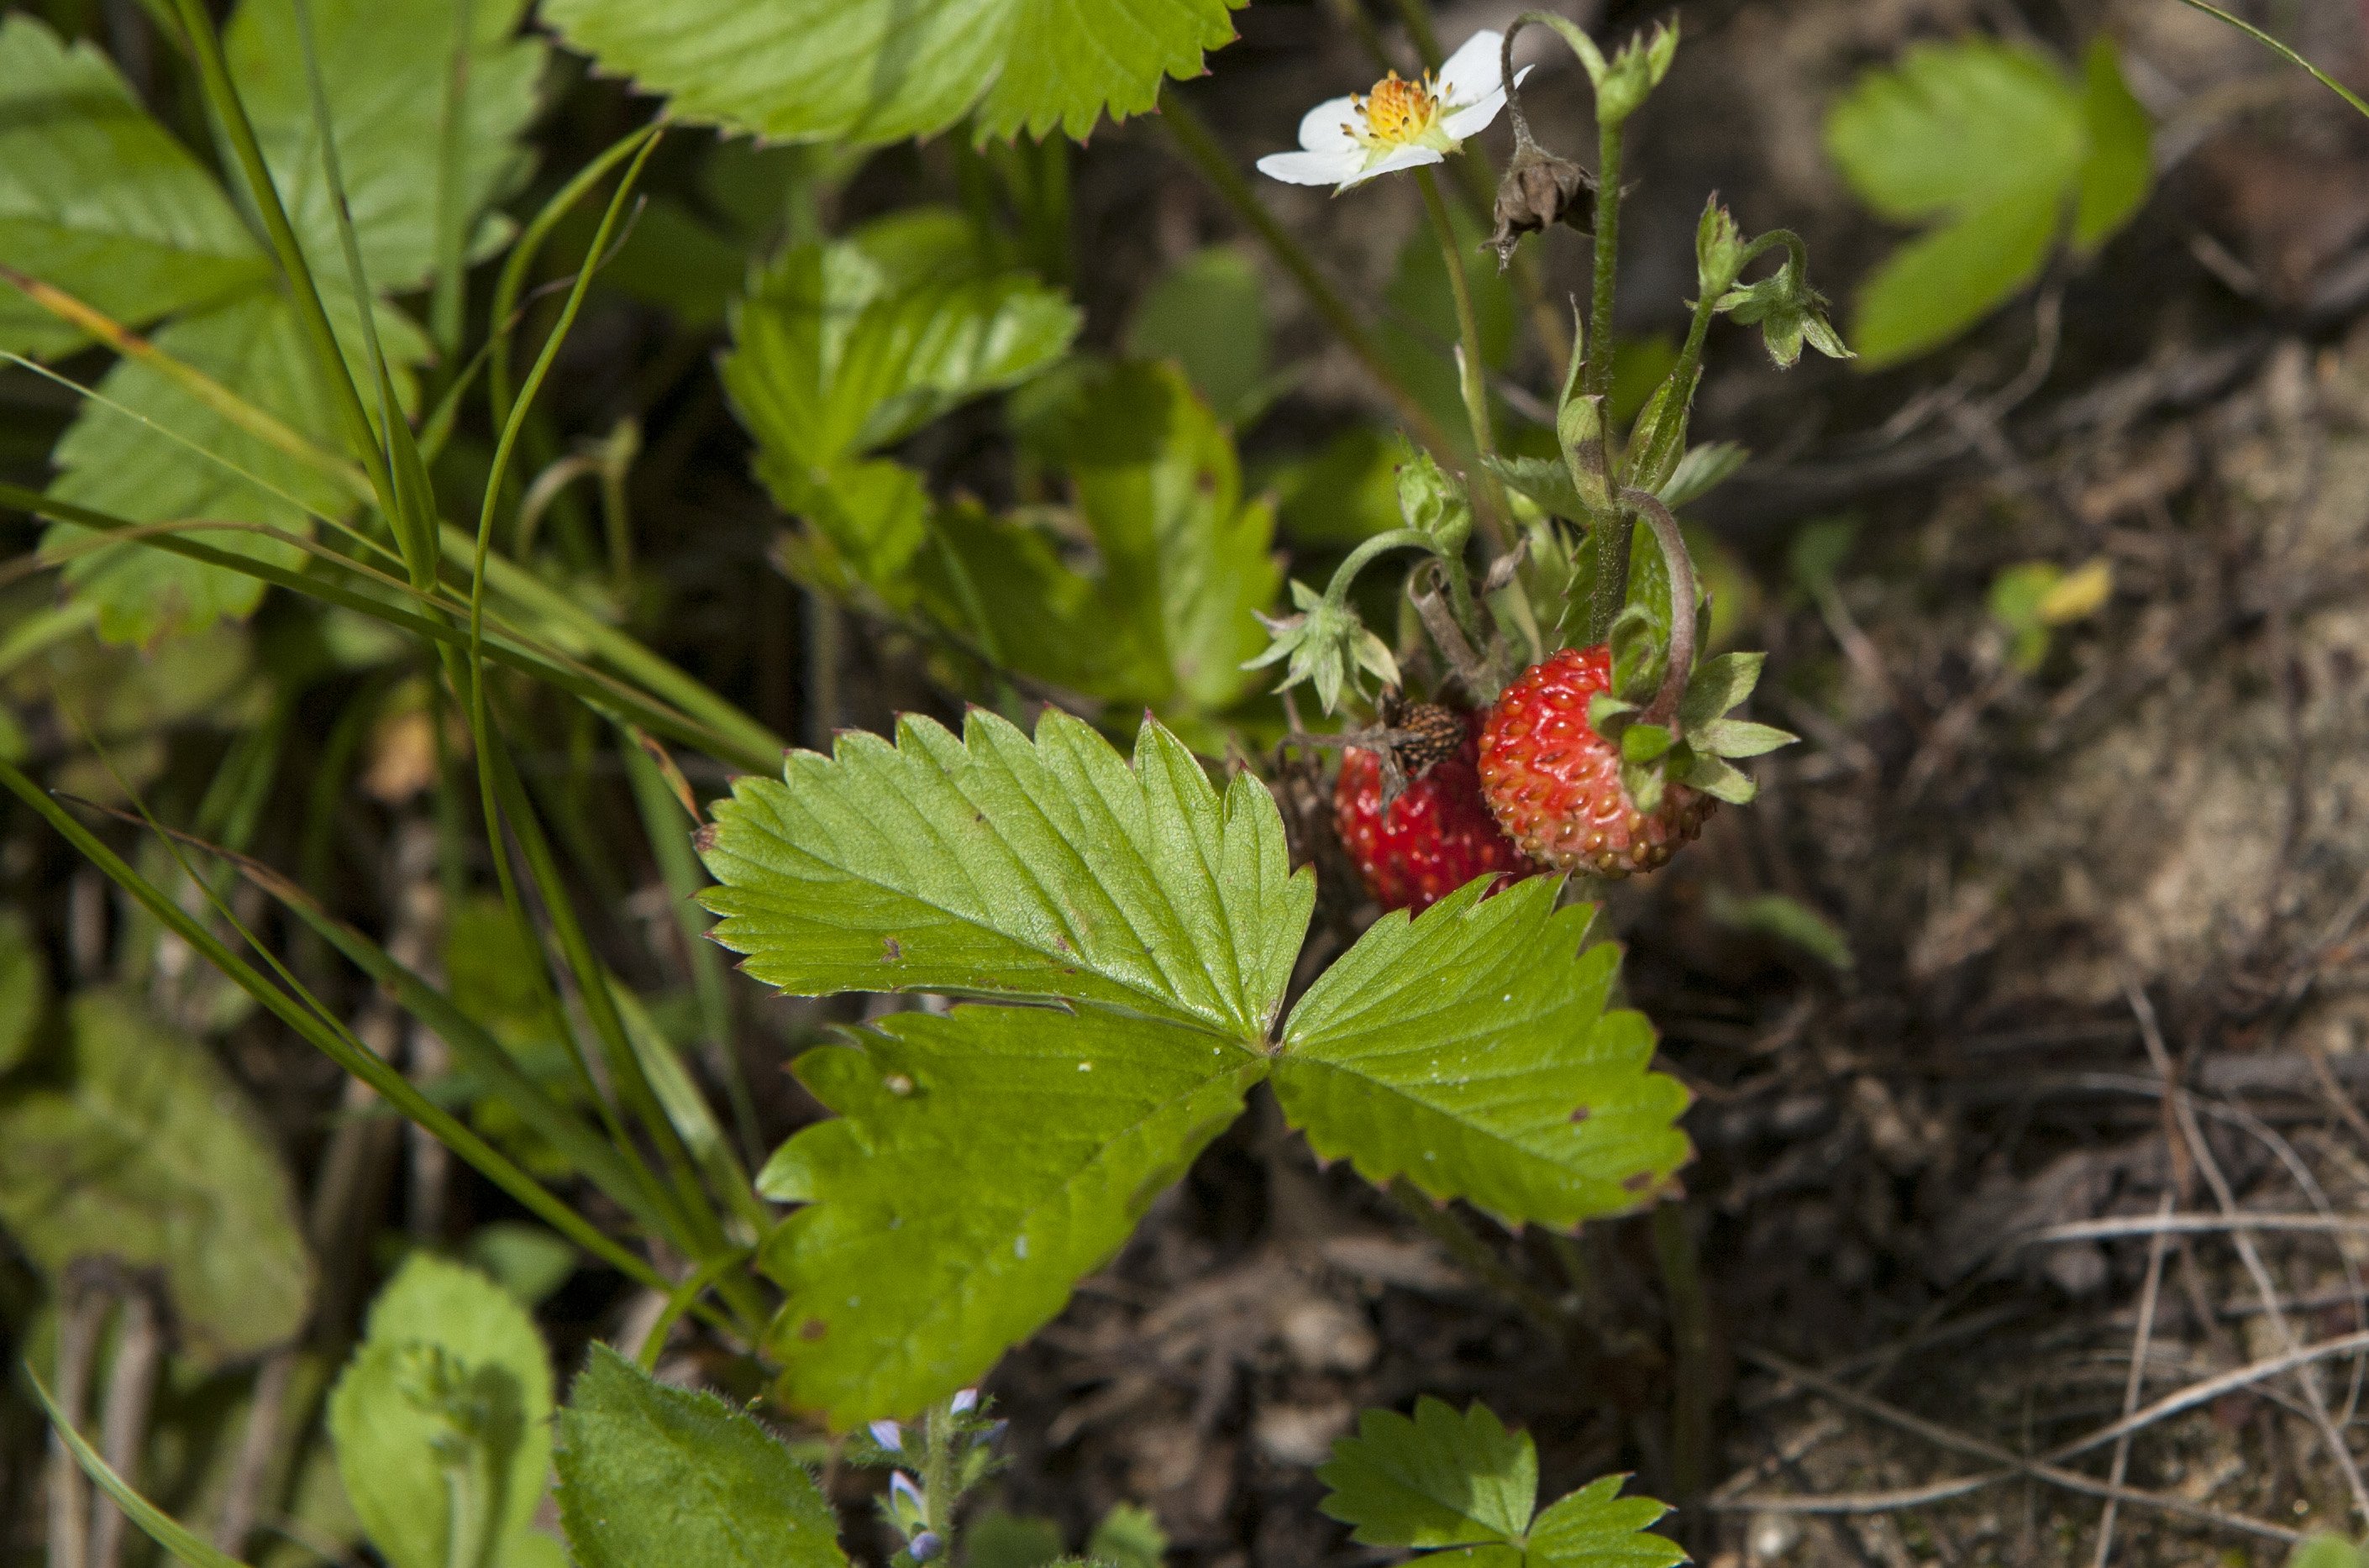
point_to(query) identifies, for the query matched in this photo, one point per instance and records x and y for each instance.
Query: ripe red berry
(1555, 785)
(1434, 838)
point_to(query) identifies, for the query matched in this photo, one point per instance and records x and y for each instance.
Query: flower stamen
(1397, 114)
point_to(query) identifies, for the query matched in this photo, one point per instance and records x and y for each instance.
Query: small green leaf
(2119, 171)
(99, 200)
(651, 1474)
(1788, 920)
(525, 1259)
(1702, 470)
(998, 1539)
(1470, 1051)
(1717, 779)
(442, 1418)
(1207, 314)
(1718, 686)
(1739, 738)
(981, 1163)
(147, 1153)
(1128, 1537)
(995, 865)
(1598, 1528)
(881, 70)
(2326, 1552)
(1438, 1480)
(1545, 480)
(24, 987)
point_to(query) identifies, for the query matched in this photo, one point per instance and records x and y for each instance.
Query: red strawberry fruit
(1554, 784)
(1433, 838)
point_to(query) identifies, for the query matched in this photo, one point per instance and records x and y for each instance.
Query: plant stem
(1479, 1258)
(938, 1469)
(1194, 141)
(1471, 366)
(1673, 1249)
(1680, 564)
(1608, 262)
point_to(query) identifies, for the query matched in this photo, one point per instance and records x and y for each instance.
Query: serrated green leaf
(651, 1474)
(1934, 288)
(99, 200)
(408, 1443)
(981, 1163)
(2119, 169)
(113, 462)
(1598, 1528)
(139, 1149)
(880, 71)
(24, 987)
(1440, 1479)
(1470, 1051)
(842, 349)
(1543, 479)
(994, 864)
(1717, 686)
(1128, 1537)
(1739, 738)
(384, 69)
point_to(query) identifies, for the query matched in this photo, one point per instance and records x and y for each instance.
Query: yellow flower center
(1397, 114)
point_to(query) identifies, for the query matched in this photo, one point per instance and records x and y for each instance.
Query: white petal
(1400, 158)
(1325, 128)
(1313, 168)
(1473, 69)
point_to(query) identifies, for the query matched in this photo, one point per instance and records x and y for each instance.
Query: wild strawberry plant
(316, 392)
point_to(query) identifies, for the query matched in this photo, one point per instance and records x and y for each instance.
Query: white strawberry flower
(1399, 125)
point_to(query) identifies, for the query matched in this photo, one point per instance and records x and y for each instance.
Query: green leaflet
(1442, 1480)
(982, 1161)
(1438, 1480)
(110, 461)
(881, 70)
(442, 1419)
(1990, 145)
(1470, 1051)
(137, 1147)
(992, 865)
(385, 65)
(1208, 315)
(99, 200)
(651, 1474)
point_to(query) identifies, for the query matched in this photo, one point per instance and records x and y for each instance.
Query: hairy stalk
(1471, 367)
(1200, 146)
(1690, 1402)
(1480, 1259)
(1681, 568)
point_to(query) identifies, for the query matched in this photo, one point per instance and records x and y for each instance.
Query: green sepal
(1644, 782)
(1719, 250)
(1543, 480)
(1645, 742)
(1715, 778)
(1718, 686)
(1738, 738)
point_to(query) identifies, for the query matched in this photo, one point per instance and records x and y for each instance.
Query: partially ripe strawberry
(1436, 836)
(1555, 785)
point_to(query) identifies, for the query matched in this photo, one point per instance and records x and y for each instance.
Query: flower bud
(922, 1548)
(888, 1435)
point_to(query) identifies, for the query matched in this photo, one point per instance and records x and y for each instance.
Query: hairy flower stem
(1460, 581)
(1471, 366)
(1607, 262)
(938, 1468)
(1681, 568)
(1200, 146)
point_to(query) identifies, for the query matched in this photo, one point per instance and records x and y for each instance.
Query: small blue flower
(966, 1401)
(888, 1435)
(923, 1547)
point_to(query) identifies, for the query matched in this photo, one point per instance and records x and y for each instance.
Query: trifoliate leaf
(1598, 1528)
(162, 455)
(981, 1163)
(141, 1150)
(385, 67)
(995, 865)
(442, 1419)
(1470, 1051)
(650, 1474)
(99, 200)
(1988, 143)
(1437, 1480)
(880, 71)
